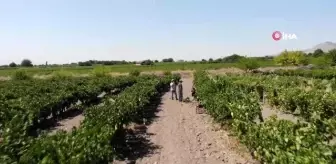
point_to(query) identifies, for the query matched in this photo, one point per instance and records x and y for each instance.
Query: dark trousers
(180, 96)
(173, 93)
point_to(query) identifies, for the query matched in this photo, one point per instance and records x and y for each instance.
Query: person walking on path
(173, 89)
(180, 90)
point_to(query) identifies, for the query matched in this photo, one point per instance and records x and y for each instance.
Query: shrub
(61, 74)
(167, 73)
(322, 61)
(100, 71)
(291, 58)
(332, 56)
(21, 75)
(134, 73)
(176, 76)
(248, 64)
(147, 62)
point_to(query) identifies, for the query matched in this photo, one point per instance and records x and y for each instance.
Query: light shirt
(172, 86)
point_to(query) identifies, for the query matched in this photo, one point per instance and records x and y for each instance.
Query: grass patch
(134, 73)
(100, 71)
(61, 74)
(21, 75)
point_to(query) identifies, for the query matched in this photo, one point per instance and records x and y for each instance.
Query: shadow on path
(133, 142)
(52, 123)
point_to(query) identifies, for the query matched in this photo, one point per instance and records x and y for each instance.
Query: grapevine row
(17, 132)
(312, 102)
(272, 140)
(315, 73)
(91, 143)
(35, 100)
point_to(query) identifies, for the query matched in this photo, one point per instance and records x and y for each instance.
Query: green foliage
(12, 64)
(332, 56)
(176, 76)
(291, 58)
(95, 140)
(26, 63)
(21, 75)
(309, 54)
(248, 64)
(322, 61)
(86, 63)
(147, 62)
(100, 71)
(168, 60)
(232, 58)
(61, 74)
(126, 68)
(315, 73)
(167, 73)
(235, 100)
(26, 103)
(134, 72)
(318, 53)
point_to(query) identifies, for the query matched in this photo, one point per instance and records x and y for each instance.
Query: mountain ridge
(325, 47)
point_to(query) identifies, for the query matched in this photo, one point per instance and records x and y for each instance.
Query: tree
(147, 62)
(249, 64)
(291, 58)
(318, 53)
(332, 56)
(232, 59)
(12, 64)
(26, 63)
(211, 60)
(168, 60)
(218, 60)
(87, 63)
(322, 61)
(309, 54)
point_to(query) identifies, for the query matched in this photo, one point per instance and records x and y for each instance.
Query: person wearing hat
(173, 89)
(180, 90)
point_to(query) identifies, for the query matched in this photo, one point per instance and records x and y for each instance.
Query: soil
(68, 124)
(3, 78)
(268, 111)
(180, 136)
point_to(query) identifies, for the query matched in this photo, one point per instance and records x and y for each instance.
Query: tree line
(285, 58)
(28, 63)
(318, 57)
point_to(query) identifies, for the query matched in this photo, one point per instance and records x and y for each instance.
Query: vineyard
(241, 102)
(282, 116)
(315, 73)
(27, 106)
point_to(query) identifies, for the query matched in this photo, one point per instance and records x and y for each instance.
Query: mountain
(325, 47)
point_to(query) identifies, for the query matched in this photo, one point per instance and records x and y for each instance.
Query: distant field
(127, 68)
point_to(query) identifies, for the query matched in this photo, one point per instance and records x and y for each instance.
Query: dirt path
(67, 124)
(185, 137)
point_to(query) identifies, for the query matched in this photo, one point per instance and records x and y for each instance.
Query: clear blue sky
(64, 31)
